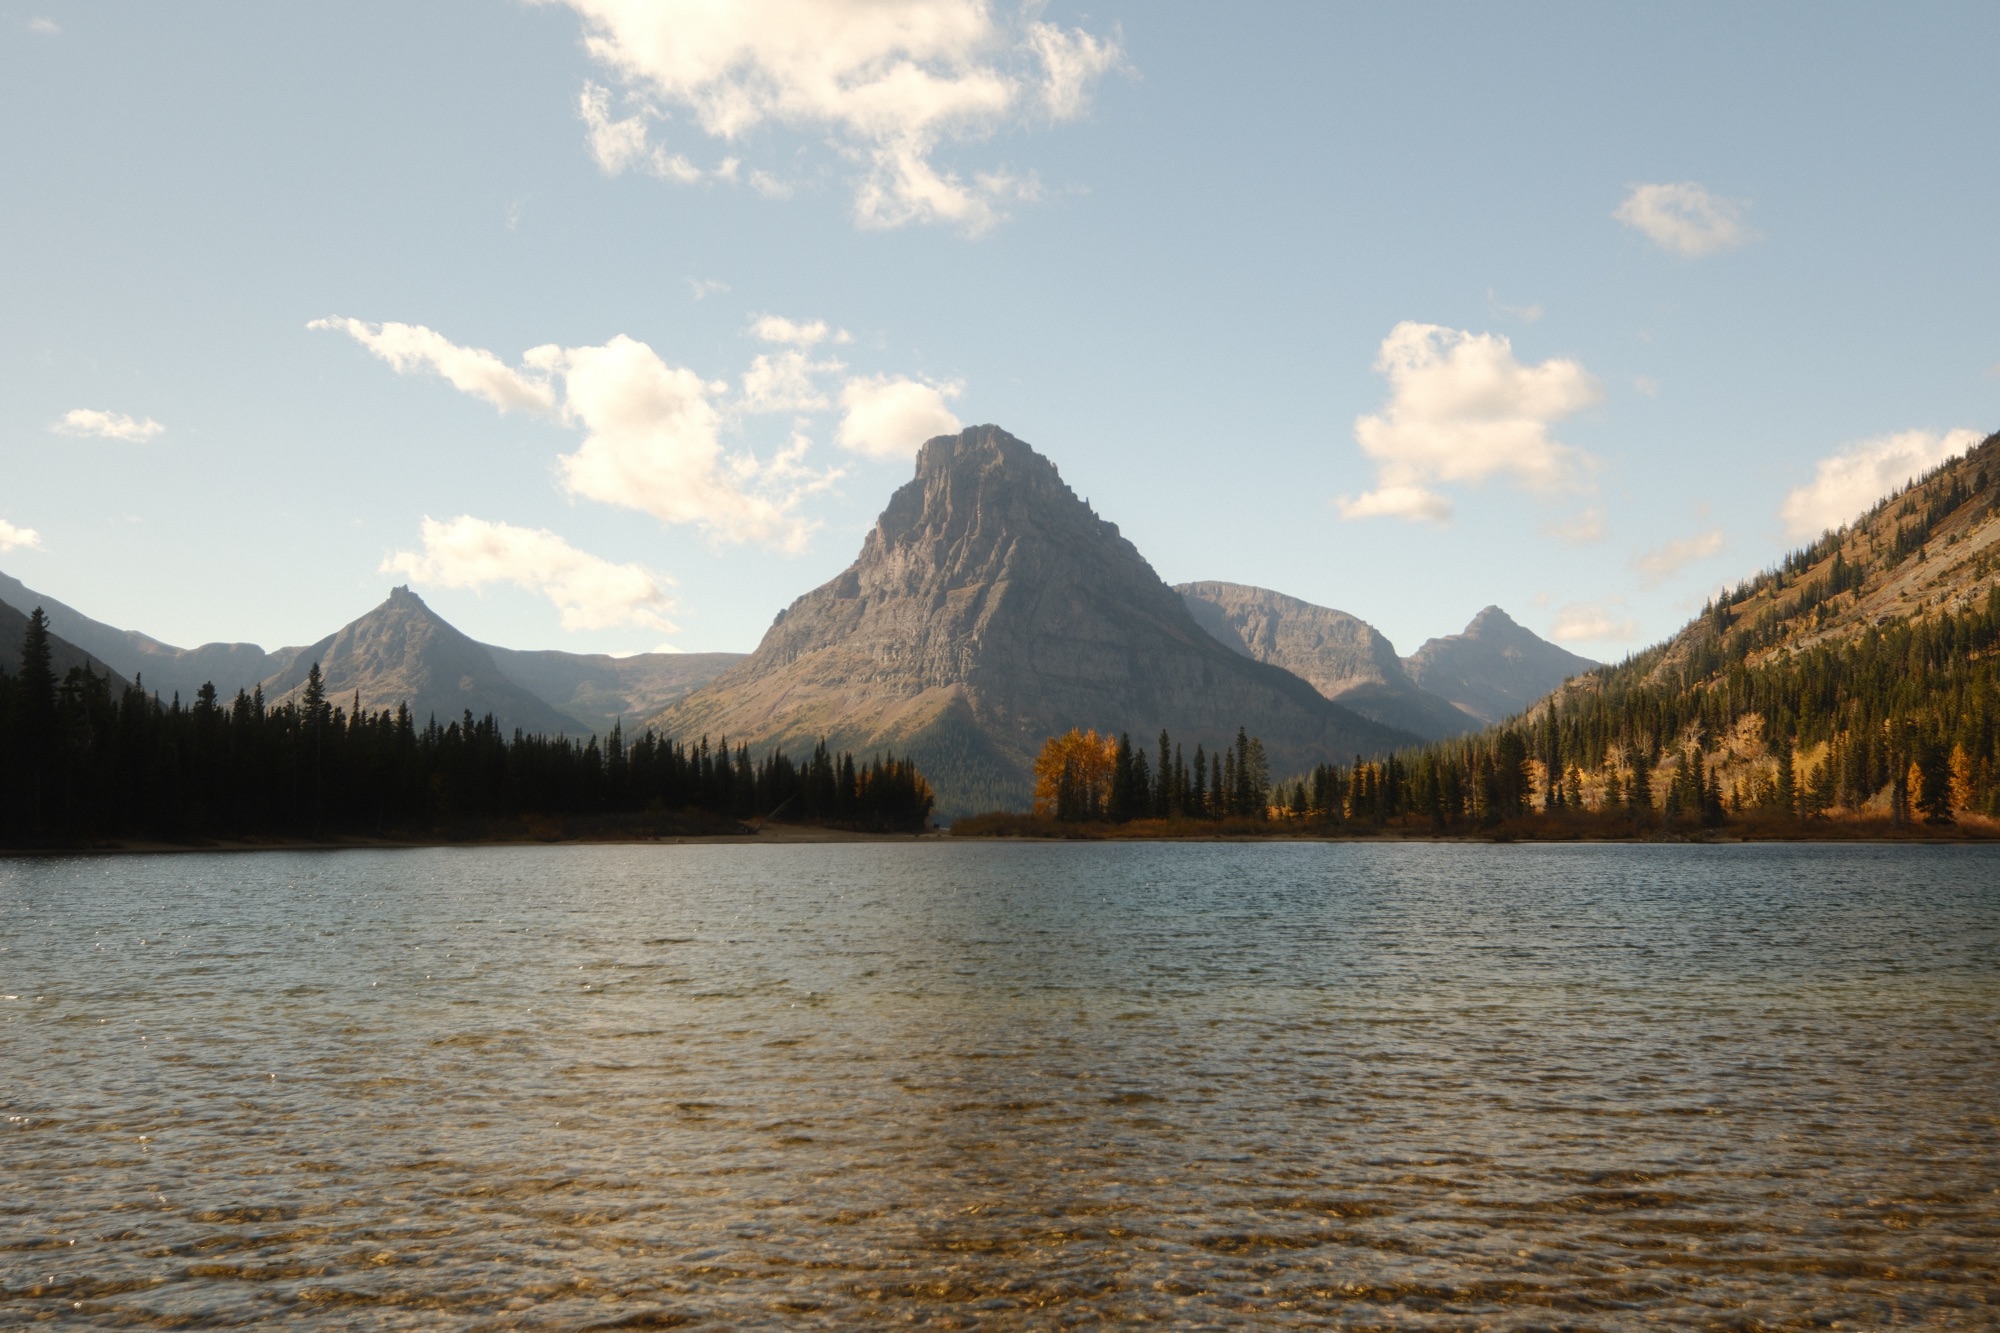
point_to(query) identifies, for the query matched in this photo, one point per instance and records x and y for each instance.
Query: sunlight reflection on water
(1032, 1085)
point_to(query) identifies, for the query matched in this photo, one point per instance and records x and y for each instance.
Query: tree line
(1748, 712)
(1081, 776)
(80, 761)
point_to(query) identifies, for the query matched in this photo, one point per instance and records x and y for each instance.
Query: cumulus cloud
(885, 417)
(1593, 622)
(473, 370)
(1685, 218)
(1847, 483)
(13, 538)
(589, 591)
(652, 432)
(88, 421)
(1462, 409)
(1663, 562)
(888, 80)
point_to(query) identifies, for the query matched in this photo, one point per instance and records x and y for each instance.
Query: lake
(1004, 1085)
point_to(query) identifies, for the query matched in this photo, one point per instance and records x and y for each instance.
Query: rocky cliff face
(1342, 656)
(989, 609)
(1495, 669)
(402, 652)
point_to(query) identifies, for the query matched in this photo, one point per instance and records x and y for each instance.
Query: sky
(610, 325)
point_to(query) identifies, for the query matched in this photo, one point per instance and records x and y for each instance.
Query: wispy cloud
(888, 81)
(14, 539)
(1593, 622)
(88, 421)
(1526, 314)
(1463, 409)
(1663, 562)
(412, 347)
(589, 591)
(45, 27)
(1685, 218)
(1847, 483)
(1581, 529)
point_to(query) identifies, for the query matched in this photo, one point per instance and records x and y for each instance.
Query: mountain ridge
(1339, 654)
(990, 608)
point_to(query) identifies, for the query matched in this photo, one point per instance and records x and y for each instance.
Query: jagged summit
(1495, 668)
(1340, 655)
(402, 652)
(988, 609)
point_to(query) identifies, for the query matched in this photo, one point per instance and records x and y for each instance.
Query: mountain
(599, 690)
(579, 692)
(402, 652)
(1342, 656)
(63, 655)
(165, 669)
(1857, 677)
(1494, 669)
(989, 609)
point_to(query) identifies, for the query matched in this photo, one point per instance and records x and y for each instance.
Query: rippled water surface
(1415, 1086)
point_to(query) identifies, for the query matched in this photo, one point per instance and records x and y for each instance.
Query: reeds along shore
(1561, 826)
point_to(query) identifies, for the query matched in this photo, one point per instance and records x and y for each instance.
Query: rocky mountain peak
(990, 608)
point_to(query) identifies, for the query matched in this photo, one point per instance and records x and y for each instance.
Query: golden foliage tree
(1073, 775)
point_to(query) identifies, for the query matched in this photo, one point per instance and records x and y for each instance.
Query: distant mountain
(989, 609)
(164, 669)
(599, 690)
(579, 692)
(402, 652)
(63, 655)
(1494, 669)
(1342, 656)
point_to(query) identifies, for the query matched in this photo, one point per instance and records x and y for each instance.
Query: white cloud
(1685, 218)
(1593, 622)
(13, 538)
(705, 287)
(778, 329)
(1850, 481)
(1663, 562)
(621, 145)
(889, 79)
(784, 383)
(652, 432)
(1527, 314)
(888, 417)
(1462, 409)
(46, 27)
(412, 347)
(589, 591)
(88, 421)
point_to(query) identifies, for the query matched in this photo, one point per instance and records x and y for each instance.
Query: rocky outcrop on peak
(1342, 656)
(402, 652)
(989, 609)
(1495, 668)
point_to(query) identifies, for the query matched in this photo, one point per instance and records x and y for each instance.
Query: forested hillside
(1857, 679)
(81, 762)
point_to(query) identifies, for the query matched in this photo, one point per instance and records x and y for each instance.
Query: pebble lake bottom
(1412, 1086)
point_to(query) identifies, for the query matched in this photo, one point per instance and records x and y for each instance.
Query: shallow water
(1411, 1086)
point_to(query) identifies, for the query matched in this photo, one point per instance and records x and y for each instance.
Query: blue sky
(1581, 310)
